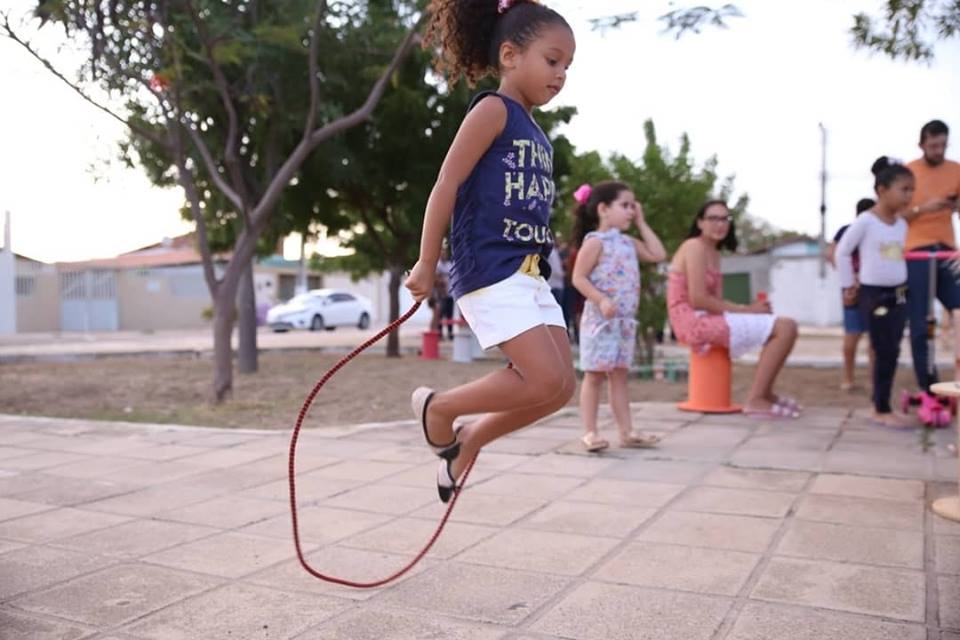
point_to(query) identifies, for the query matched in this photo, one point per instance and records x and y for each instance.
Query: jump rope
(291, 471)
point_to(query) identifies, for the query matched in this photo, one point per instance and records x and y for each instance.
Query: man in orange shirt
(931, 229)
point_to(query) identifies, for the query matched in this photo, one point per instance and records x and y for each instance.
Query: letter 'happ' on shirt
(502, 212)
(881, 248)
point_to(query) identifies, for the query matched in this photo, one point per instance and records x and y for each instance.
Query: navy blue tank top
(502, 212)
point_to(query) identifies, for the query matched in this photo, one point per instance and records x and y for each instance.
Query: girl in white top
(879, 235)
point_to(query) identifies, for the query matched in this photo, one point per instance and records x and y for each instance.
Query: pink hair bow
(505, 5)
(582, 194)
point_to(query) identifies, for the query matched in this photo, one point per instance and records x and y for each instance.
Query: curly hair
(469, 33)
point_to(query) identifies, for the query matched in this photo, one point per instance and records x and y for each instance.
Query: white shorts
(507, 308)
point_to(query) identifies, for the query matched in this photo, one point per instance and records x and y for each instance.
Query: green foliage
(908, 29)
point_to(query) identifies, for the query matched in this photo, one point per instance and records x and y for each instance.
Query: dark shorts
(853, 320)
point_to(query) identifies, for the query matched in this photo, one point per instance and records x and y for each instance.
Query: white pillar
(8, 293)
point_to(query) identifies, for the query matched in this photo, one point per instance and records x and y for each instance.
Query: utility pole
(823, 201)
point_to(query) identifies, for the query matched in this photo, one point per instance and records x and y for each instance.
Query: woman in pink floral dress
(701, 318)
(608, 276)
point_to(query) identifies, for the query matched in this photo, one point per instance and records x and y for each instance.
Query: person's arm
(832, 254)
(649, 247)
(587, 258)
(845, 248)
(477, 132)
(932, 205)
(695, 262)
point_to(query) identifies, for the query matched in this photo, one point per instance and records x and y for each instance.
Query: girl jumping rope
(608, 275)
(497, 184)
(879, 234)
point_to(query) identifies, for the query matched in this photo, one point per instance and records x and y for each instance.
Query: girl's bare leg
(620, 401)
(542, 348)
(771, 361)
(590, 390)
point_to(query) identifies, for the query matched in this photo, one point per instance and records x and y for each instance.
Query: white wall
(797, 291)
(8, 292)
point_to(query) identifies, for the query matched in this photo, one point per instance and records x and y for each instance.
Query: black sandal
(419, 402)
(446, 483)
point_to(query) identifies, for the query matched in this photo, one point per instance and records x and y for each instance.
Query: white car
(321, 309)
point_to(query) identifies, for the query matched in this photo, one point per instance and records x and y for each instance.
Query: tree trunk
(223, 314)
(393, 338)
(247, 323)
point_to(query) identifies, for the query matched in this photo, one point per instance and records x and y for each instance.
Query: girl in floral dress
(608, 275)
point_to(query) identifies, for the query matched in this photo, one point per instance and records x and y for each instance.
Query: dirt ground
(372, 388)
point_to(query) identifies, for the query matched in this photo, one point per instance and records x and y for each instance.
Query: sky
(752, 95)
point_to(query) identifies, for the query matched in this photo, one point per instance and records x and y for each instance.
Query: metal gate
(88, 300)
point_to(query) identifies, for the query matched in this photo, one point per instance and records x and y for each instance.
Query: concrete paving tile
(947, 554)
(32, 568)
(407, 536)
(862, 512)
(152, 500)
(310, 489)
(945, 527)
(277, 466)
(771, 504)
(10, 509)
(553, 464)
(239, 611)
(902, 464)
(769, 622)
(866, 487)
(220, 458)
(612, 521)
(54, 490)
(529, 485)
(524, 446)
(91, 467)
(892, 593)
(159, 452)
(229, 555)
(8, 545)
(13, 452)
(734, 478)
(116, 594)
(399, 625)
(355, 565)
(319, 525)
(714, 436)
(401, 453)
(152, 473)
(16, 625)
(485, 594)
(648, 564)
(137, 538)
(226, 512)
(945, 469)
(670, 472)
(596, 611)
(949, 635)
(363, 470)
(747, 456)
(843, 543)
(633, 493)
(541, 551)
(40, 460)
(57, 524)
(336, 448)
(217, 438)
(384, 498)
(483, 508)
(949, 612)
(738, 533)
(808, 442)
(491, 461)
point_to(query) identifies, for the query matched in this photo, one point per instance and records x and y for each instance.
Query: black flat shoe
(419, 402)
(446, 484)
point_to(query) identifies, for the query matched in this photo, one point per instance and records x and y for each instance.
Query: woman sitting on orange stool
(701, 318)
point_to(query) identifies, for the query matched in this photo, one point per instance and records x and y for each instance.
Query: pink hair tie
(582, 194)
(505, 5)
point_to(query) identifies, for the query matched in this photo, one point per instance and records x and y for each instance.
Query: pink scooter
(932, 410)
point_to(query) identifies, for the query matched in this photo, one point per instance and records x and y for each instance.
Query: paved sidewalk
(733, 530)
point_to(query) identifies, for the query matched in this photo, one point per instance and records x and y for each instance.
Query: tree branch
(310, 141)
(146, 133)
(212, 168)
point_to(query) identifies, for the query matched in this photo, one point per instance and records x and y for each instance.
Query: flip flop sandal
(419, 402)
(639, 441)
(776, 411)
(593, 443)
(789, 403)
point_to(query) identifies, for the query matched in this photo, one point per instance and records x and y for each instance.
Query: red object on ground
(430, 348)
(708, 389)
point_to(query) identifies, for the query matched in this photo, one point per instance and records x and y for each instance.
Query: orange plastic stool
(430, 347)
(708, 390)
